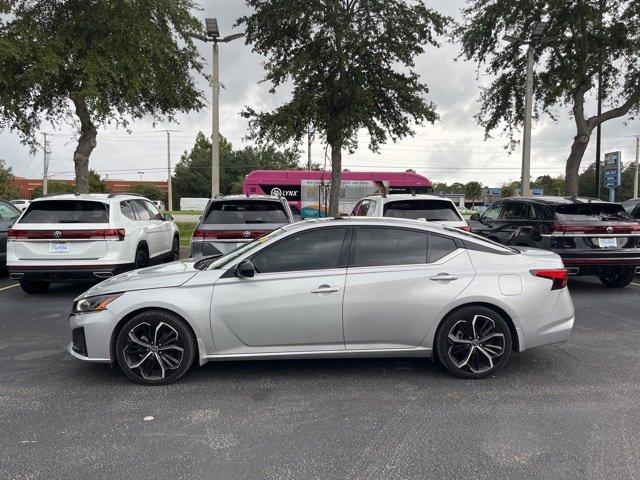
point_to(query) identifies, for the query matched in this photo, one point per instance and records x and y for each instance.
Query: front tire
(142, 258)
(473, 342)
(619, 280)
(175, 250)
(155, 348)
(33, 287)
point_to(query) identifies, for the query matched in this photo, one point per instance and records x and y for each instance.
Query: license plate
(607, 243)
(58, 247)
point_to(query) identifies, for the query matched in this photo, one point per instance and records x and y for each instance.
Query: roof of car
(406, 196)
(551, 200)
(247, 197)
(94, 197)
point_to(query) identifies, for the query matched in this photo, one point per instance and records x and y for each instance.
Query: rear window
(592, 212)
(432, 210)
(66, 211)
(245, 211)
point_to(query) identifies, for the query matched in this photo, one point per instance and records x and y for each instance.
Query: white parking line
(10, 286)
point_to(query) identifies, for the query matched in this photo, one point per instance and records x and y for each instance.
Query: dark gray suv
(229, 222)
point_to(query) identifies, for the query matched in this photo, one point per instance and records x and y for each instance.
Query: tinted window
(433, 210)
(389, 246)
(515, 211)
(8, 212)
(591, 212)
(314, 250)
(630, 207)
(66, 211)
(245, 211)
(143, 213)
(153, 210)
(493, 212)
(440, 247)
(127, 210)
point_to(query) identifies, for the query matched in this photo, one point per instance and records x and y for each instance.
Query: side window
(630, 207)
(514, 211)
(143, 213)
(153, 210)
(371, 208)
(388, 246)
(357, 209)
(317, 249)
(493, 212)
(440, 247)
(531, 213)
(127, 210)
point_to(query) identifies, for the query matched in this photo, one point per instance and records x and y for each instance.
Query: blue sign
(612, 170)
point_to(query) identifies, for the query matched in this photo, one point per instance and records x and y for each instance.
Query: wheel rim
(475, 345)
(153, 353)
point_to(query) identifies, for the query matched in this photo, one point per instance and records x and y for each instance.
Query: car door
(164, 230)
(398, 282)
(487, 222)
(294, 301)
(149, 226)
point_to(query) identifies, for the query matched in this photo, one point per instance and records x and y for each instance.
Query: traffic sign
(612, 172)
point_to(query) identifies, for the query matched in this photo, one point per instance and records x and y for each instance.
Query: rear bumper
(67, 273)
(600, 265)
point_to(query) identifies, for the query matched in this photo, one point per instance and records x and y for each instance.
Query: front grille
(79, 343)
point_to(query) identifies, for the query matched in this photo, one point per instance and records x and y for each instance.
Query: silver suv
(231, 221)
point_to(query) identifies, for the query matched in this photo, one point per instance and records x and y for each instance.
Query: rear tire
(155, 348)
(619, 280)
(142, 258)
(473, 342)
(33, 287)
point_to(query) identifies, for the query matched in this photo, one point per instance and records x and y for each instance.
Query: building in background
(26, 186)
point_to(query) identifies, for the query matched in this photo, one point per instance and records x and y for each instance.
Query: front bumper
(67, 273)
(97, 328)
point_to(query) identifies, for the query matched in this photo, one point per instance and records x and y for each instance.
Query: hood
(160, 276)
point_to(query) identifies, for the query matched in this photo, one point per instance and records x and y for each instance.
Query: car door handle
(443, 277)
(325, 289)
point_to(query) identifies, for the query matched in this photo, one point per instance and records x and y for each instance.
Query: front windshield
(231, 256)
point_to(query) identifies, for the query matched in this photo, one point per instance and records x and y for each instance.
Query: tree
(350, 63)
(507, 190)
(7, 190)
(149, 190)
(473, 190)
(96, 183)
(105, 61)
(550, 185)
(581, 37)
(192, 177)
(54, 187)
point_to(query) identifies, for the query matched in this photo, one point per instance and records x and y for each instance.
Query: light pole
(531, 42)
(213, 36)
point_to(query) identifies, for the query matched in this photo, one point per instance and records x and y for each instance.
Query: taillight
(229, 234)
(198, 234)
(466, 228)
(17, 234)
(117, 234)
(559, 276)
(112, 234)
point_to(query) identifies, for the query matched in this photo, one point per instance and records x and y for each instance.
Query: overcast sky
(451, 150)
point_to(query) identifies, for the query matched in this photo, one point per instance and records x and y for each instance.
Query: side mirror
(475, 217)
(168, 217)
(245, 269)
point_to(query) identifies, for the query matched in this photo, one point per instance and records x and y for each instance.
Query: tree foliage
(7, 190)
(350, 63)
(473, 190)
(192, 177)
(150, 191)
(581, 36)
(104, 61)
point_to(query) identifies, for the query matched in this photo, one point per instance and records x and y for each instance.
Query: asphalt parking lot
(563, 411)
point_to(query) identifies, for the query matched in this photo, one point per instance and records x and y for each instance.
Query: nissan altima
(351, 287)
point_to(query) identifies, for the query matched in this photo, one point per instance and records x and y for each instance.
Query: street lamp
(534, 39)
(213, 36)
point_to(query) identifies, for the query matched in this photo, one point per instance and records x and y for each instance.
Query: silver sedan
(354, 287)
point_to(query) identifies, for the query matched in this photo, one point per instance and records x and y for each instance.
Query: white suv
(428, 207)
(83, 237)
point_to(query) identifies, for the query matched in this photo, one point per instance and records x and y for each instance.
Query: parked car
(352, 287)
(232, 221)
(429, 207)
(87, 237)
(632, 207)
(592, 237)
(8, 215)
(21, 204)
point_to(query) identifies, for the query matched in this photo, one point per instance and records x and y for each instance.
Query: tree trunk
(86, 144)
(578, 148)
(336, 172)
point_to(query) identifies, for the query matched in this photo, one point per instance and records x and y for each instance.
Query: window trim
(342, 257)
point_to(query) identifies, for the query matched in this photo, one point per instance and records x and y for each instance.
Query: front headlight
(94, 304)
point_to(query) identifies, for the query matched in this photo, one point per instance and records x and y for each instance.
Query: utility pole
(635, 181)
(308, 148)
(45, 169)
(525, 178)
(596, 186)
(169, 187)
